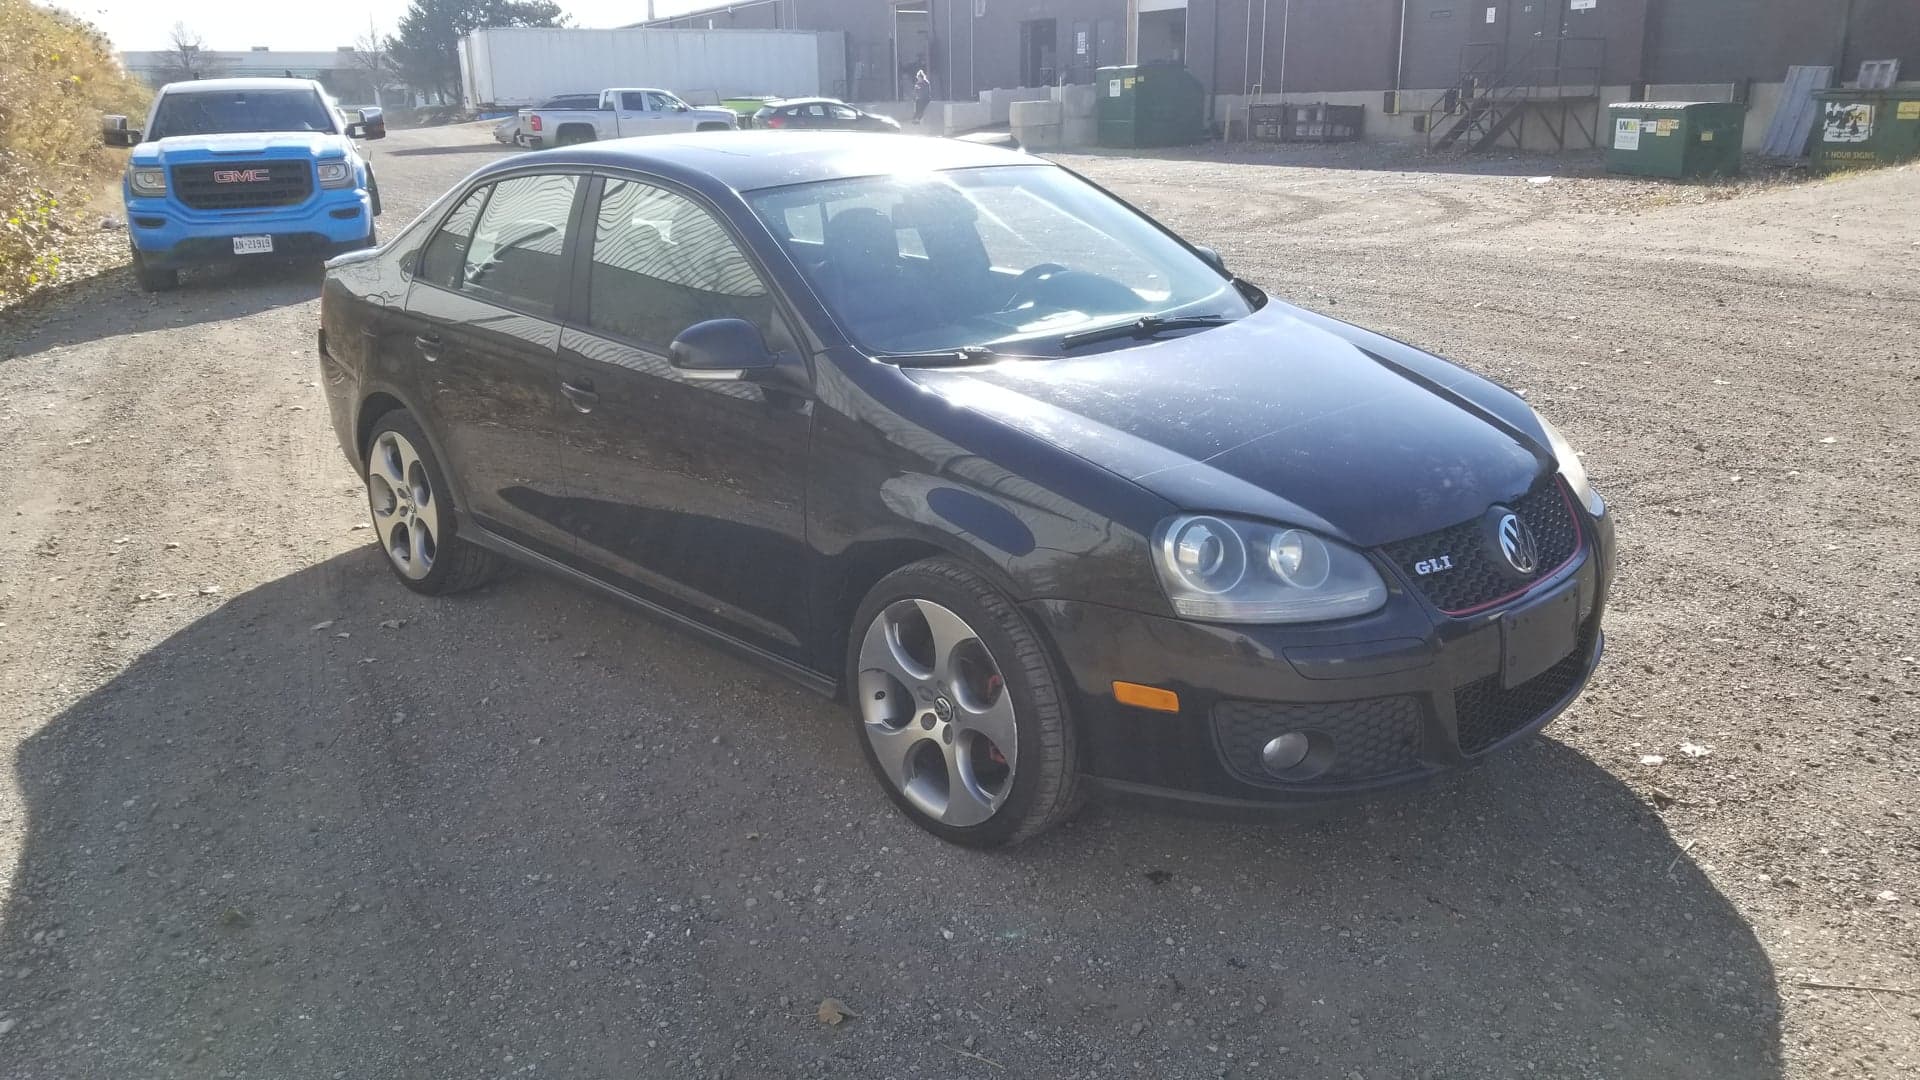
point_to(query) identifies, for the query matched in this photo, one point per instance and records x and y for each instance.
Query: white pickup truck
(623, 111)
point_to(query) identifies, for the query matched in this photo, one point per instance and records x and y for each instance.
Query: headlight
(1218, 569)
(1571, 470)
(150, 183)
(335, 174)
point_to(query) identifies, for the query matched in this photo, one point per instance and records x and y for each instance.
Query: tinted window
(841, 112)
(661, 264)
(634, 101)
(226, 111)
(514, 257)
(447, 251)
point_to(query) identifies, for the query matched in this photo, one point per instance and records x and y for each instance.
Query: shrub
(58, 76)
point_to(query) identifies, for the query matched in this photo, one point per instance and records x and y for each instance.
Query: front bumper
(1389, 699)
(169, 234)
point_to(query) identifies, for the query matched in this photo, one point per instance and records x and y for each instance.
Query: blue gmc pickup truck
(230, 170)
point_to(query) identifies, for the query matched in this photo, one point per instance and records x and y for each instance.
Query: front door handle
(429, 345)
(581, 394)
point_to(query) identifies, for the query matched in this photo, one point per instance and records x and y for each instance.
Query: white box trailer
(515, 66)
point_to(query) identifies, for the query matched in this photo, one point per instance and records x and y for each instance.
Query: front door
(634, 116)
(481, 321)
(688, 493)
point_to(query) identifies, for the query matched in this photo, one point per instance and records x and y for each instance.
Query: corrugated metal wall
(1693, 41)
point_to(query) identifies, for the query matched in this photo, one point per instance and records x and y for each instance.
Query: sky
(292, 24)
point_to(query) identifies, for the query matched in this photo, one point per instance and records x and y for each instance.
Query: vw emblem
(943, 709)
(1517, 544)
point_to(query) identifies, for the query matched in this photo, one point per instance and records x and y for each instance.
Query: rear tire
(153, 278)
(958, 708)
(413, 515)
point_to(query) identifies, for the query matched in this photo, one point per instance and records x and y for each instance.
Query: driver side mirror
(1213, 257)
(721, 350)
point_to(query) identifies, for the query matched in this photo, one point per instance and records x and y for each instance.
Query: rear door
(482, 312)
(690, 493)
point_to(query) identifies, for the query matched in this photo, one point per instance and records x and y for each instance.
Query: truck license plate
(253, 245)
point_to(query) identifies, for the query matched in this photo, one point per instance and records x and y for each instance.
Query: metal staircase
(1553, 83)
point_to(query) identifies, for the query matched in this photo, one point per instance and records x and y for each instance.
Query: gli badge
(1433, 565)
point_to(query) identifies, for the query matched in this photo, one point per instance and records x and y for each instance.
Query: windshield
(226, 112)
(984, 257)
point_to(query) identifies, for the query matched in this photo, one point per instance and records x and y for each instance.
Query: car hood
(1279, 416)
(707, 112)
(254, 143)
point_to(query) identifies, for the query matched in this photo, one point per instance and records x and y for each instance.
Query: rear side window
(447, 252)
(514, 258)
(662, 263)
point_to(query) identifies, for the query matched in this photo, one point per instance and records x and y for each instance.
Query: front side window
(1018, 254)
(662, 263)
(226, 112)
(633, 101)
(447, 252)
(515, 255)
(662, 102)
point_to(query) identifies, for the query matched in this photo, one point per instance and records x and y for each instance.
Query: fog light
(1285, 753)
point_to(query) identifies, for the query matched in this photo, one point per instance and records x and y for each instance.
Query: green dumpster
(1857, 129)
(1678, 139)
(1149, 105)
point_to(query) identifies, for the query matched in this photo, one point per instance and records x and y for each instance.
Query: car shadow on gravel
(111, 304)
(329, 827)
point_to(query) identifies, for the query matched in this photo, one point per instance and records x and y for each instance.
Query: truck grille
(1478, 576)
(242, 185)
(1374, 738)
(1487, 712)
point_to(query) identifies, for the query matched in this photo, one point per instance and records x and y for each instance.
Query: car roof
(213, 86)
(784, 102)
(751, 160)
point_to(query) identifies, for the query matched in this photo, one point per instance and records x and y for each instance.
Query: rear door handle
(429, 345)
(581, 394)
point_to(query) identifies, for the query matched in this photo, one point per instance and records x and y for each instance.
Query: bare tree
(187, 57)
(373, 62)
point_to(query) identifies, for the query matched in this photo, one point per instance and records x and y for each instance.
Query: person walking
(922, 94)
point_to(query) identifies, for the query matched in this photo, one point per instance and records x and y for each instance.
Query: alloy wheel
(935, 709)
(406, 510)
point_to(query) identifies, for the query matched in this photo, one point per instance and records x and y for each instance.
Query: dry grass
(58, 75)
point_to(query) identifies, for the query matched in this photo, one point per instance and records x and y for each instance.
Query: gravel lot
(267, 815)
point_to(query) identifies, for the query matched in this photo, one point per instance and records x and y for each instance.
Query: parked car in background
(827, 114)
(620, 113)
(244, 169)
(1047, 495)
(509, 130)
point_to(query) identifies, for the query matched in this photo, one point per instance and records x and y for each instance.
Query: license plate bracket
(1539, 635)
(253, 245)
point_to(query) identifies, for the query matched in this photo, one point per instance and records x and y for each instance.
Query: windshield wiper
(1144, 327)
(964, 356)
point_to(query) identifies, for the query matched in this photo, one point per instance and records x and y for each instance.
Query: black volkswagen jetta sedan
(1046, 494)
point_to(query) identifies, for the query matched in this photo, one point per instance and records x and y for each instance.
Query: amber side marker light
(1146, 697)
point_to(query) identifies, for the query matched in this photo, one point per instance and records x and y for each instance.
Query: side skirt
(500, 545)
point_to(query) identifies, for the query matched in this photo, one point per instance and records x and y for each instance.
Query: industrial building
(1399, 58)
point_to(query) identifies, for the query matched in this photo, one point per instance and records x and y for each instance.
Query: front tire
(958, 709)
(413, 516)
(153, 278)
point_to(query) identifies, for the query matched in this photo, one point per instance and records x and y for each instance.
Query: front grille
(1479, 575)
(1488, 712)
(1373, 738)
(235, 185)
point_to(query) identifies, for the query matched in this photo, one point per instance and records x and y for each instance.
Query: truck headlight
(336, 174)
(1571, 470)
(1218, 569)
(148, 183)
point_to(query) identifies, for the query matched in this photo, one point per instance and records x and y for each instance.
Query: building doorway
(1163, 36)
(1039, 57)
(912, 44)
